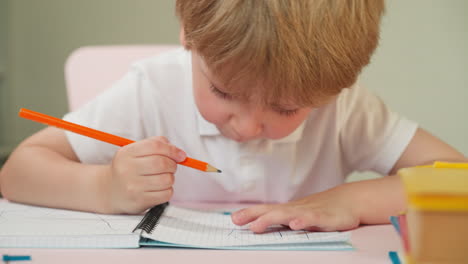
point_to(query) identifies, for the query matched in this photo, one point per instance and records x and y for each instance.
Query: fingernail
(254, 227)
(238, 216)
(181, 155)
(294, 223)
(235, 217)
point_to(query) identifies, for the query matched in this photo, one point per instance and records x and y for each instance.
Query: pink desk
(372, 244)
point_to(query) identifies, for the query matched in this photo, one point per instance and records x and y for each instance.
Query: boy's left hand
(331, 210)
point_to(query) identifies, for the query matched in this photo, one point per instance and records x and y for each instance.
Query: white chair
(92, 69)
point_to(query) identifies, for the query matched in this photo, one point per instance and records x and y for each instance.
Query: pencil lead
(219, 171)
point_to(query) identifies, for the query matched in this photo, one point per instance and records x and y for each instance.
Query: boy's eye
(227, 96)
(220, 93)
(287, 112)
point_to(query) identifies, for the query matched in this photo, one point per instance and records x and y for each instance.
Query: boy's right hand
(143, 175)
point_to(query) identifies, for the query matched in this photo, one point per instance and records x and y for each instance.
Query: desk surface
(372, 244)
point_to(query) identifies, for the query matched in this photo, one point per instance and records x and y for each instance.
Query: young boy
(266, 91)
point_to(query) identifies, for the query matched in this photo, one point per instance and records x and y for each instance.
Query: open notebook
(162, 226)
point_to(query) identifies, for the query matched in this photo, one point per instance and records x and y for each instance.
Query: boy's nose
(248, 127)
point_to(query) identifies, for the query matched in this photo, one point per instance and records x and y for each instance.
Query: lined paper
(182, 226)
(32, 226)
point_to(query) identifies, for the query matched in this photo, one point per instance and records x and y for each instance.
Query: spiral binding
(151, 218)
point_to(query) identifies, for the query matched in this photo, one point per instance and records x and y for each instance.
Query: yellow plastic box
(437, 213)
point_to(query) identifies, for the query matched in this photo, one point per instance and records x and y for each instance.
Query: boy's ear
(182, 37)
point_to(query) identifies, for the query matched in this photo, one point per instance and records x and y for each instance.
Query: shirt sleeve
(372, 137)
(116, 111)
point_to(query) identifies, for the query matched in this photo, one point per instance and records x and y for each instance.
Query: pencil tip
(219, 171)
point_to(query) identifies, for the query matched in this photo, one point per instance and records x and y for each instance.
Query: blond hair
(298, 50)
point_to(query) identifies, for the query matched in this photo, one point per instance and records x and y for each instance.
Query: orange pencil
(102, 136)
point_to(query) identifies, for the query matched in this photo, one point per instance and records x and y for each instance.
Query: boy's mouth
(232, 134)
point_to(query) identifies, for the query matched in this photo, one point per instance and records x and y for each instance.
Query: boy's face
(237, 119)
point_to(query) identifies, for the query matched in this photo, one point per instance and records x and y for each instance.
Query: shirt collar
(206, 128)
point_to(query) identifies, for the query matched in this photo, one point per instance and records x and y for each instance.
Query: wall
(419, 68)
(3, 87)
(42, 33)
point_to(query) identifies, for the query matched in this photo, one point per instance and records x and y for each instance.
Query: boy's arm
(423, 149)
(346, 206)
(47, 172)
(44, 170)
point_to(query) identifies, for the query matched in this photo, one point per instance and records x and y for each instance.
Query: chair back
(92, 69)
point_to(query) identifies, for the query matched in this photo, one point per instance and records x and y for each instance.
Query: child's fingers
(158, 197)
(307, 220)
(248, 215)
(280, 216)
(155, 164)
(315, 220)
(158, 182)
(156, 146)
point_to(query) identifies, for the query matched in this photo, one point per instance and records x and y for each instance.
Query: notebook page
(327, 246)
(210, 229)
(32, 226)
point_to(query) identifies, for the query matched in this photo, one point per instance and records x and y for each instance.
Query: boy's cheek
(214, 112)
(210, 115)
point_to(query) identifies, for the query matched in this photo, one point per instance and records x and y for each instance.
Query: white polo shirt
(356, 132)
